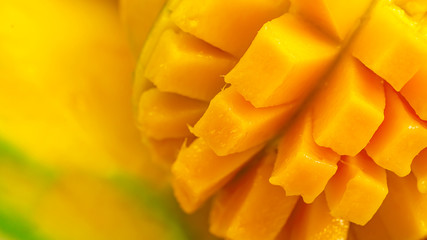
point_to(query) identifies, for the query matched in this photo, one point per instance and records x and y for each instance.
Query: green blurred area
(71, 162)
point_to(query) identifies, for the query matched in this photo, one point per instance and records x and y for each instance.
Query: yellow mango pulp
(231, 124)
(347, 192)
(198, 172)
(349, 108)
(236, 211)
(302, 167)
(419, 169)
(168, 115)
(183, 64)
(228, 25)
(313, 221)
(138, 16)
(415, 91)
(390, 45)
(399, 138)
(404, 209)
(291, 43)
(336, 17)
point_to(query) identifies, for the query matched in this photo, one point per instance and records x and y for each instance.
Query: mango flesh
(318, 83)
(235, 214)
(302, 167)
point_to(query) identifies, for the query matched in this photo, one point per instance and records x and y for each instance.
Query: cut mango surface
(228, 25)
(334, 90)
(419, 168)
(236, 211)
(400, 137)
(336, 17)
(349, 109)
(274, 69)
(347, 193)
(404, 211)
(415, 91)
(167, 115)
(313, 221)
(186, 65)
(198, 172)
(231, 124)
(302, 167)
(390, 45)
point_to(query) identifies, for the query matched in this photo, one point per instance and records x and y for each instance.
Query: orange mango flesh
(166, 150)
(302, 167)
(231, 124)
(250, 202)
(357, 190)
(390, 45)
(291, 43)
(183, 64)
(198, 172)
(313, 221)
(399, 138)
(336, 17)
(349, 109)
(419, 168)
(228, 25)
(404, 211)
(167, 115)
(348, 113)
(415, 91)
(373, 230)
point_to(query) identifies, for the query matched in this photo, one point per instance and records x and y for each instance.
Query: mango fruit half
(300, 119)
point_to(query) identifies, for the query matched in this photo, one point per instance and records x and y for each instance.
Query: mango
(235, 212)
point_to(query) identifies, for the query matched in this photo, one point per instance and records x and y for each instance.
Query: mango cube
(231, 124)
(349, 109)
(228, 25)
(419, 169)
(390, 46)
(357, 190)
(337, 17)
(415, 92)
(403, 212)
(167, 115)
(313, 221)
(251, 208)
(198, 172)
(302, 167)
(183, 64)
(399, 138)
(274, 70)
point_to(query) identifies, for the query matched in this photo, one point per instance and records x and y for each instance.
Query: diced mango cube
(399, 138)
(167, 115)
(302, 167)
(357, 190)
(313, 221)
(415, 92)
(404, 211)
(166, 150)
(228, 25)
(231, 124)
(198, 172)
(251, 208)
(390, 46)
(419, 168)
(373, 230)
(283, 63)
(349, 109)
(183, 64)
(337, 17)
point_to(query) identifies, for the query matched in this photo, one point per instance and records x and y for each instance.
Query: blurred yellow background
(71, 162)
